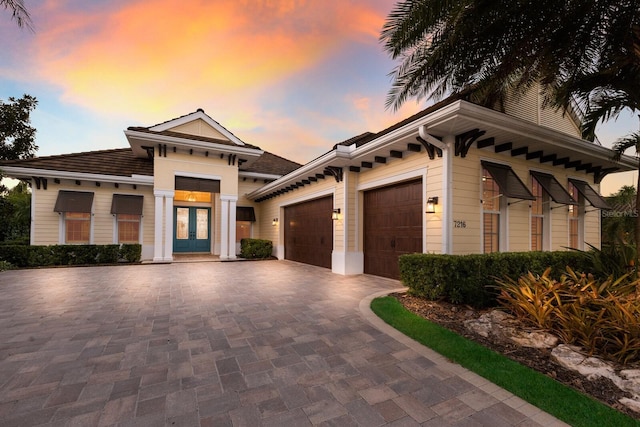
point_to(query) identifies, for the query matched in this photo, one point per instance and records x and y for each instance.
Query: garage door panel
(308, 232)
(392, 226)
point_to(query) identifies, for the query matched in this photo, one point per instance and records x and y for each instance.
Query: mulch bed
(452, 317)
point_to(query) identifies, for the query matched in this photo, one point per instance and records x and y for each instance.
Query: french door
(192, 229)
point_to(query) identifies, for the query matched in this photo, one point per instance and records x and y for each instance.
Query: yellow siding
(524, 107)
(467, 208)
(47, 222)
(199, 127)
(165, 169)
(351, 206)
(244, 188)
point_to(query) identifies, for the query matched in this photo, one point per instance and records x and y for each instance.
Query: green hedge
(39, 256)
(256, 248)
(469, 279)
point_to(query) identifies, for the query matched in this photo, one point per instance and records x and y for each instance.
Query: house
(455, 178)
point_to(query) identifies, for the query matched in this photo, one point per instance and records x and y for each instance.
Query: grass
(547, 394)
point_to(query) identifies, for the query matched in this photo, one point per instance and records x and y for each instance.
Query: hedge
(39, 256)
(469, 279)
(256, 248)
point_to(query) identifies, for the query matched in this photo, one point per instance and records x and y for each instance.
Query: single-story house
(455, 178)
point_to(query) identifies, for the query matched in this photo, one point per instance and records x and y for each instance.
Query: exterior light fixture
(431, 204)
(274, 222)
(335, 215)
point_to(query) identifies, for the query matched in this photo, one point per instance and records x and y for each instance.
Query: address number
(459, 224)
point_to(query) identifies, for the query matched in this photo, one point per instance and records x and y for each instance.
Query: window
(127, 209)
(77, 227)
(490, 213)
(243, 230)
(537, 215)
(574, 218)
(128, 228)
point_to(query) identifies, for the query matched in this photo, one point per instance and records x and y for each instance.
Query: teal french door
(192, 229)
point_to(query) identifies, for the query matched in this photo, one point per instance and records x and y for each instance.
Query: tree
(18, 12)
(618, 225)
(15, 209)
(17, 136)
(584, 50)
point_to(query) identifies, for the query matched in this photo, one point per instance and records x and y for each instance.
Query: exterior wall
(529, 107)
(166, 168)
(46, 222)
(467, 194)
(246, 186)
(200, 128)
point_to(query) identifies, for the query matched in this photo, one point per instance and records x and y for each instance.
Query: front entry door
(192, 230)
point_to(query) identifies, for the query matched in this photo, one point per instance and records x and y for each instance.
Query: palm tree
(18, 12)
(620, 146)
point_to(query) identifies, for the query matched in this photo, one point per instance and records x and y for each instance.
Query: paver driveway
(213, 344)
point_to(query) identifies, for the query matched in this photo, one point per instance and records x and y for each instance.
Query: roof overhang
(28, 173)
(142, 142)
(500, 133)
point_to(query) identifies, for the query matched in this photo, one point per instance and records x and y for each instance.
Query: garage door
(392, 226)
(308, 232)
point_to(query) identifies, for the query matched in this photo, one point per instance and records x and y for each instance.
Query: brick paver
(270, 343)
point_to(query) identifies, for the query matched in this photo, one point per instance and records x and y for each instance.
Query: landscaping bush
(470, 279)
(41, 256)
(4, 265)
(602, 316)
(256, 248)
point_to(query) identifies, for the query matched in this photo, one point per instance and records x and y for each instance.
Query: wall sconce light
(431, 204)
(274, 222)
(335, 215)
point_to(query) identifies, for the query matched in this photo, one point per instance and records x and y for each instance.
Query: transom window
(192, 196)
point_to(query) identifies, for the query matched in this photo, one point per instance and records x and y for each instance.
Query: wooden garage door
(308, 232)
(392, 226)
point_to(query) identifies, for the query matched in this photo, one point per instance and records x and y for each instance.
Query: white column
(168, 233)
(232, 227)
(157, 238)
(447, 191)
(224, 227)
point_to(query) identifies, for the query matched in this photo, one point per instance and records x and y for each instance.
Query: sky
(293, 77)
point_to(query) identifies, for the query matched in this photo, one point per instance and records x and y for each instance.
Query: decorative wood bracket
(432, 150)
(465, 140)
(40, 182)
(598, 175)
(335, 172)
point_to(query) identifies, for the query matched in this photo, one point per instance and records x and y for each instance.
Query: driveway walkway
(270, 343)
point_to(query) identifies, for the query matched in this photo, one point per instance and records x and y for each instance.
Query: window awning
(509, 183)
(126, 204)
(197, 184)
(244, 213)
(73, 201)
(554, 189)
(590, 194)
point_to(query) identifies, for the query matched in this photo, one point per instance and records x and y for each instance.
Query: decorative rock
(632, 404)
(497, 323)
(535, 339)
(590, 367)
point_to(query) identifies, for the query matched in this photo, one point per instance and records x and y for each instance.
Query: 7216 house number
(459, 224)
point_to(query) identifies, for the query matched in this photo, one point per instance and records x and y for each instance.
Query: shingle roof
(122, 162)
(189, 136)
(271, 164)
(117, 162)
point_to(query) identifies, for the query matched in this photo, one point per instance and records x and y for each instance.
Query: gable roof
(149, 130)
(201, 115)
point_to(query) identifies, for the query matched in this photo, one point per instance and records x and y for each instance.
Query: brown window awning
(509, 183)
(244, 213)
(126, 204)
(590, 194)
(554, 189)
(73, 201)
(197, 184)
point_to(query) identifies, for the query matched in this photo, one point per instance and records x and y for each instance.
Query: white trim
(157, 225)
(187, 142)
(164, 193)
(229, 197)
(32, 223)
(29, 172)
(232, 228)
(242, 174)
(224, 228)
(197, 175)
(199, 114)
(168, 222)
(309, 196)
(393, 179)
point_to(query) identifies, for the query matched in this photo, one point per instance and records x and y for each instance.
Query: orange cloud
(150, 56)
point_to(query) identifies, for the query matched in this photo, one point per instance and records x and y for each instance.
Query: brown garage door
(392, 226)
(308, 232)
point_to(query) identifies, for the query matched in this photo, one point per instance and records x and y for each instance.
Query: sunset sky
(293, 77)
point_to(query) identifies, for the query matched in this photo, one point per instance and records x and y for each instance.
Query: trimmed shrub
(470, 279)
(42, 256)
(256, 248)
(130, 253)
